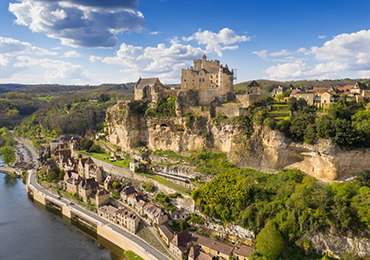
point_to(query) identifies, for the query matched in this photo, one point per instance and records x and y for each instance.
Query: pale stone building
(210, 79)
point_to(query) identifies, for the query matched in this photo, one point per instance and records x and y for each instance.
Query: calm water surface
(29, 231)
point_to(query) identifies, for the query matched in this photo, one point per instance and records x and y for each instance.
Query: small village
(88, 183)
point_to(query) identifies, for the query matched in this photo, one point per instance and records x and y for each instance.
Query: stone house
(179, 214)
(128, 220)
(133, 199)
(148, 89)
(180, 244)
(127, 191)
(166, 233)
(309, 96)
(196, 254)
(71, 182)
(101, 197)
(154, 213)
(86, 188)
(242, 252)
(212, 247)
(108, 212)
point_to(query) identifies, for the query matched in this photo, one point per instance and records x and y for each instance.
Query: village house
(166, 233)
(133, 199)
(242, 252)
(213, 247)
(123, 217)
(154, 213)
(71, 182)
(88, 169)
(128, 190)
(180, 244)
(86, 188)
(101, 197)
(179, 214)
(108, 212)
(108, 182)
(196, 254)
(128, 220)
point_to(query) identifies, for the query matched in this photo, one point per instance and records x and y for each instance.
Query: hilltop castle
(210, 79)
(204, 88)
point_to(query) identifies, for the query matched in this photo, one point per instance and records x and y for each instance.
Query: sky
(117, 41)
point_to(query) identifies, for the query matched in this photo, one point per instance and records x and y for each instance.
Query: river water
(30, 231)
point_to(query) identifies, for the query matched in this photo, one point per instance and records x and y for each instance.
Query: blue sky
(118, 41)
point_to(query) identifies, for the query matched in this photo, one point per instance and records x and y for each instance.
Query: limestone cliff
(259, 148)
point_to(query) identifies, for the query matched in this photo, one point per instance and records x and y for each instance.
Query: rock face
(336, 246)
(259, 148)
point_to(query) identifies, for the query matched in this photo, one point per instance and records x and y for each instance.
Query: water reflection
(9, 181)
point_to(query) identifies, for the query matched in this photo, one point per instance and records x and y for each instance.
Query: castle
(204, 87)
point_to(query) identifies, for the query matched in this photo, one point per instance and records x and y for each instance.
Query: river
(28, 230)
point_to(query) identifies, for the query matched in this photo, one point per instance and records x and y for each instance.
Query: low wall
(123, 242)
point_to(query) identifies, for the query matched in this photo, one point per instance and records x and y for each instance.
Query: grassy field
(132, 256)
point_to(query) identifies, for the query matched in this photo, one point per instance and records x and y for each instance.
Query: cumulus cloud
(71, 54)
(321, 36)
(216, 42)
(93, 58)
(280, 53)
(79, 23)
(10, 45)
(263, 54)
(24, 63)
(344, 54)
(162, 61)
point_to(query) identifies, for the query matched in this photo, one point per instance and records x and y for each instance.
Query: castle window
(211, 81)
(200, 80)
(211, 76)
(216, 81)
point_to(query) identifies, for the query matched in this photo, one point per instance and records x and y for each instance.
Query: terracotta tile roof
(320, 90)
(345, 88)
(243, 250)
(213, 244)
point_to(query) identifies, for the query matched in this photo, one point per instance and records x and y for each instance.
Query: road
(31, 180)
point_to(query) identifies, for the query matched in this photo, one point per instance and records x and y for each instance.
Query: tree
(86, 143)
(183, 224)
(8, 153)
(270, 242)
(115, 185)
(292, 104)
(363, 177)
(279, 97)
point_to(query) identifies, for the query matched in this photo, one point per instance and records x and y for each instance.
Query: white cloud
(10, 45)
(321, 36)
(71, 54)
(339, 57)
(160, 61)
(280, 53)
(93, 58)
(154, 33)
(216, 42)
(86, 23)
(24, 63)
(263, 54)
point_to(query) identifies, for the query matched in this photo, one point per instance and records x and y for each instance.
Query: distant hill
(268, 85)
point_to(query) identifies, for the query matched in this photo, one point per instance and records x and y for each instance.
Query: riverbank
(105, 229)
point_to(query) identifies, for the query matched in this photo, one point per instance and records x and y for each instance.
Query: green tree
(86, 143)
(269, 242)
(292, 104)
(183, 224)
(363, 177)
(148, 186)
(279, 97)
(8, 153)
(115, 185)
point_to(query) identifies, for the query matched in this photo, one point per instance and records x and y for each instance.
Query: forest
(295, 203)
